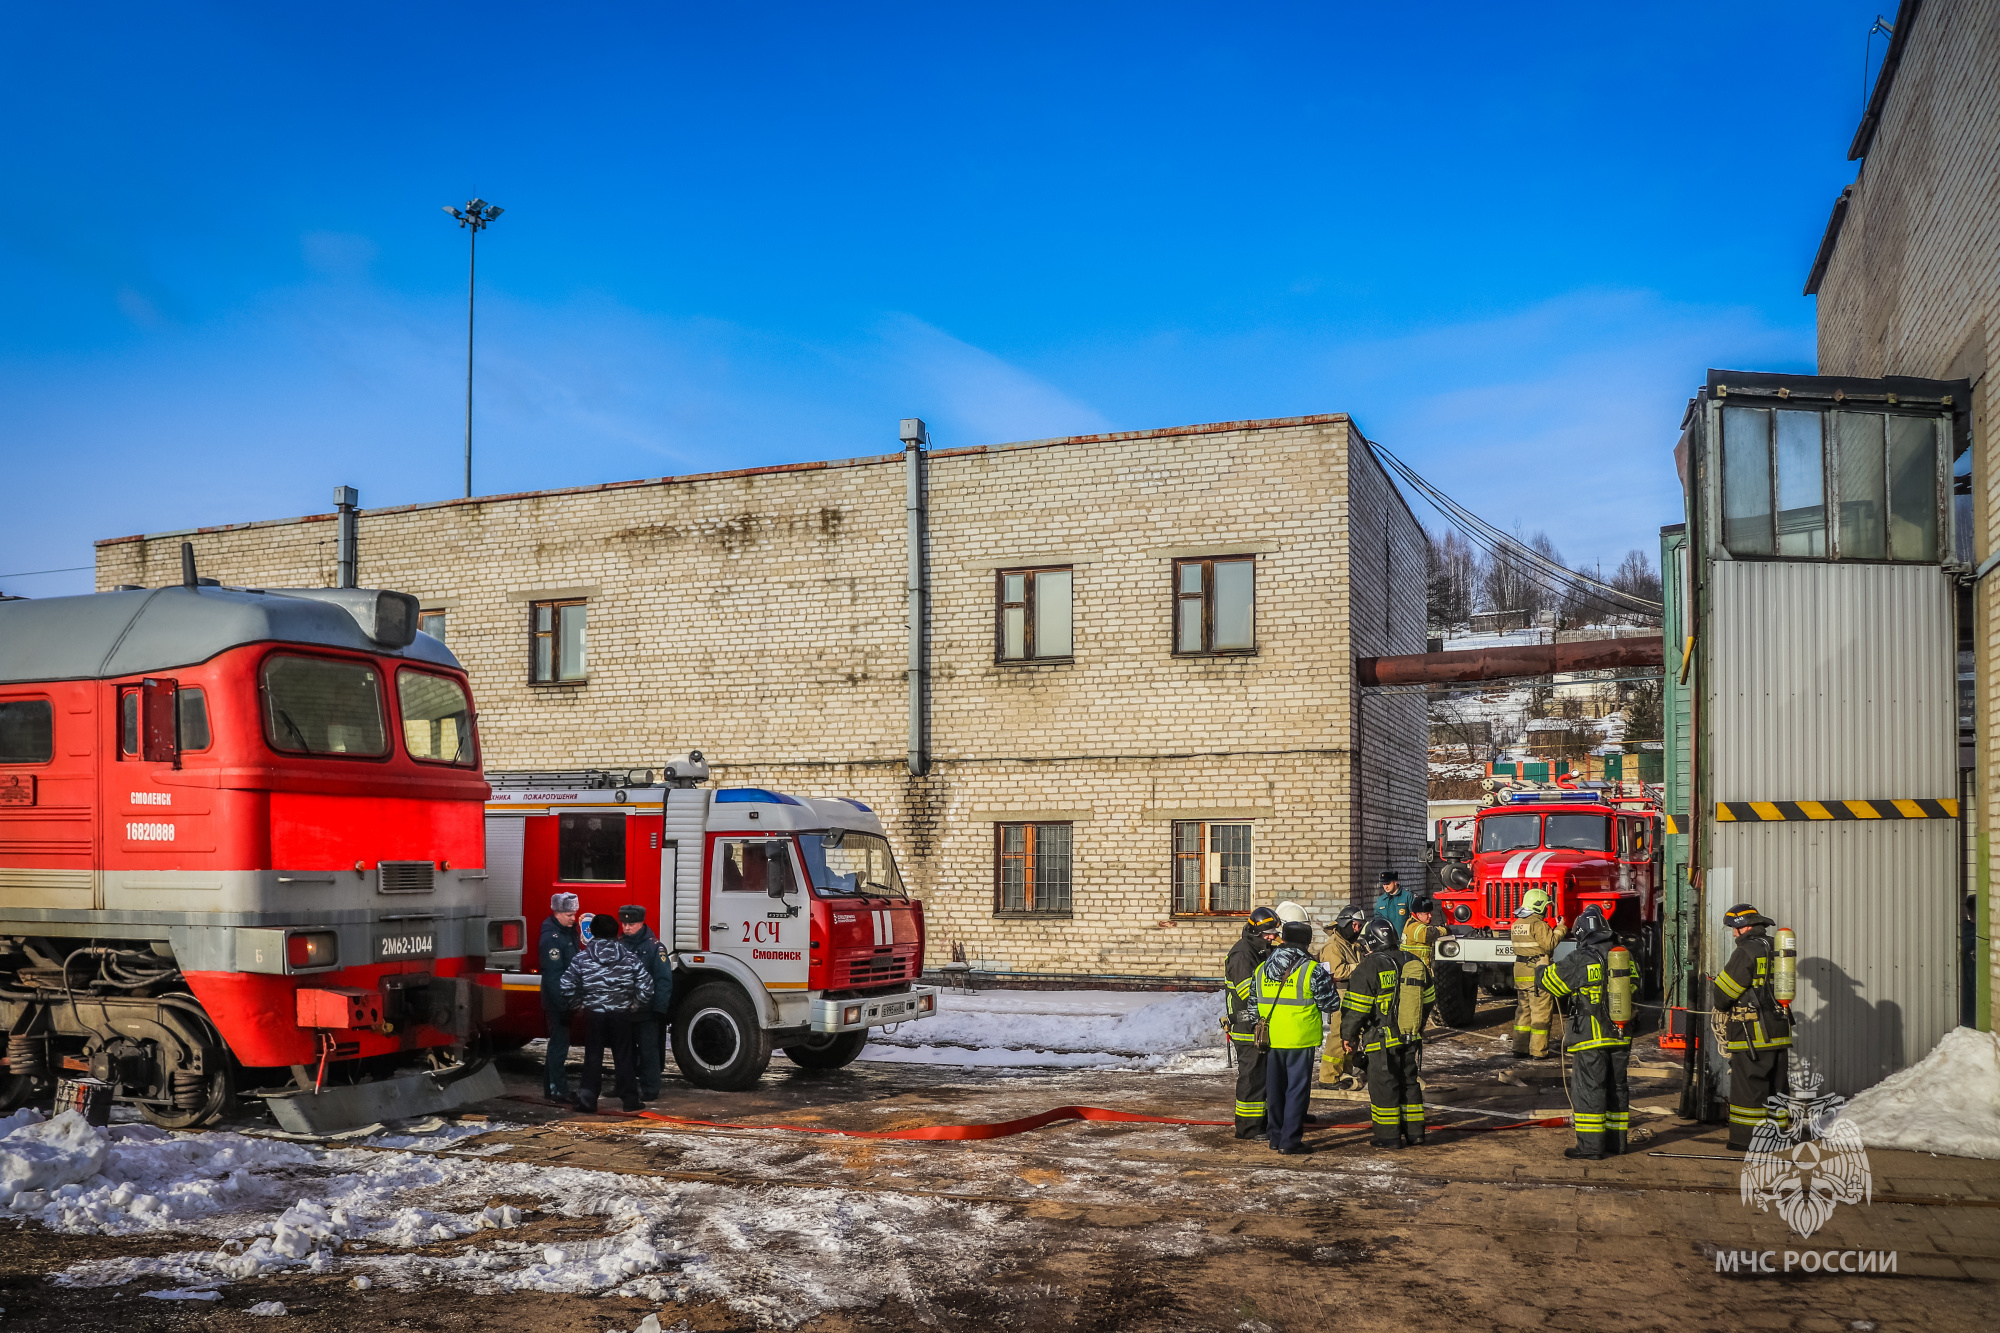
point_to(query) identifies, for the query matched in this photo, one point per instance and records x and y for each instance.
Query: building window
(556, 642)
(432, 623)
(1215, 605)
(590, 849)
(1032, 868)
(1845, 485)
(1034, 615)
(1211, 868)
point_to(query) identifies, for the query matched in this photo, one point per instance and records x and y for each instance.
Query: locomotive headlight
(319, 948)
(506, 936)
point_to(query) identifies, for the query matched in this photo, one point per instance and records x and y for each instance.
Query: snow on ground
(1072, 1029)
(1948, 1102)
(266, 1205)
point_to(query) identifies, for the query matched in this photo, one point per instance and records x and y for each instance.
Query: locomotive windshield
(318, 705)
(1508, 833)
(1580, 833)
(437, 718)
(845, 864)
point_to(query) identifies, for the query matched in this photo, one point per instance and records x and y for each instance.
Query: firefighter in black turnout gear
(1758, 1029)
(1239, 970)
(1389, 999)
(1598, 1049)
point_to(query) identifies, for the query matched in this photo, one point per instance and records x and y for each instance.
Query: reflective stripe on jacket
(1369, 1009)
(1584, 979)
(1755, 1019)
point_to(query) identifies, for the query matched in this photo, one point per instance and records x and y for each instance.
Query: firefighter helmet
(1534, 902)
(1591, 927)
(1380, 935)
(1349, 922)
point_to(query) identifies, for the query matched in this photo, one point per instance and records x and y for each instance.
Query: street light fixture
(475, 216)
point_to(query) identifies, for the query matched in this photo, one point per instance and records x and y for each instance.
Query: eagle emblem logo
(1804, 1160)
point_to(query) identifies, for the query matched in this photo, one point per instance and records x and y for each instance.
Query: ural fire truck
(240, 854)
(787, 922)
(1583, 846)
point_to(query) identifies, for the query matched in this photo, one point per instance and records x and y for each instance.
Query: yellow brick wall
(1912, 287)
(759, 616)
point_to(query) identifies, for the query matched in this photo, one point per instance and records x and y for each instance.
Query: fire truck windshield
(1582, 833)
(319, 705)
(847, 864)
(1507, 833)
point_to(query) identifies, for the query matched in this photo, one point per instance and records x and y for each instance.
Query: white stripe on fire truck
(1534, 867)
(1512, 869)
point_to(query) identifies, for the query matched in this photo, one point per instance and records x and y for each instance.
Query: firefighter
(1758, 1029)
(1260, 933)
(1599, 1051)
(1535, 943)
(1294, 994)
(1388, 1002)
(559, 944)
(1420, 936)
(1338, 956)
(1391, 903)
(650, 1031)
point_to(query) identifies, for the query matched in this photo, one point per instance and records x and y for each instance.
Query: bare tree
(1452, 579)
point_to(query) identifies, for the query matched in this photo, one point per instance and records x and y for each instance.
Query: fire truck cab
(1582, 846)
(787, 922)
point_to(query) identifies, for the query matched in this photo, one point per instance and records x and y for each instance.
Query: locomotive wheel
(16, 1091)
(1458, 996)
(221, 1099)
(827, 1050)
(718, 1042)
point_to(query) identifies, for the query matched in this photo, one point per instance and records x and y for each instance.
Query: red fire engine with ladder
(787, 922)
(1582, 845)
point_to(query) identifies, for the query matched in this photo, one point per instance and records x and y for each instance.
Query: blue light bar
(754, 796)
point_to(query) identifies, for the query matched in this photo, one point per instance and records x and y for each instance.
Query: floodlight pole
(475, 216)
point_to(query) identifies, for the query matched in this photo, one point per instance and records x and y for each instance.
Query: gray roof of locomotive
(111, 634)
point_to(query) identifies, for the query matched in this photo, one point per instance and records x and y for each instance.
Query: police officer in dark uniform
(1758, 1029)
(559, 944)
(650, 1030)
(1599, 1051)
(1239, 970)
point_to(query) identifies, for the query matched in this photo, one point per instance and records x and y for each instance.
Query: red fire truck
(788, 923)
(1580, 845)
(240, 854)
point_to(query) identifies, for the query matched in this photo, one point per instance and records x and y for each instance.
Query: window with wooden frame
(1215, 605)
(432, 623)
(1032, 869)
(1033, 610)
(1211, 868)
(557, 642)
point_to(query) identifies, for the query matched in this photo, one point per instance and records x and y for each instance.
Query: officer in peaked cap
(1757, 1029)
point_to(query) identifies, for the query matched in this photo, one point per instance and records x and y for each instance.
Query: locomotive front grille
(408, 876)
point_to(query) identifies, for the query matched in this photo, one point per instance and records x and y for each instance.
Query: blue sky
(1509, 240)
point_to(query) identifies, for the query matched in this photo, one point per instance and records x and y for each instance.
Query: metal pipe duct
(915, 437)
(348, 537)
(1527, 659)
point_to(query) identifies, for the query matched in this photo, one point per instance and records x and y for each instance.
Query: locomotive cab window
(27, 731)
(437, 719)
(192, 703)
(323, 706)
(590, 848)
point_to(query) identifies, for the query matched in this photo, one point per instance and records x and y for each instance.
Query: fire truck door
(757, 909)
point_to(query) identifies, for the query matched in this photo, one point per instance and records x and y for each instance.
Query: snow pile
(1948, 1102)
(37, 1154)
(1062, 1029)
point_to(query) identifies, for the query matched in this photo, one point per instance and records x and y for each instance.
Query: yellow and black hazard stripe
(1786, 812)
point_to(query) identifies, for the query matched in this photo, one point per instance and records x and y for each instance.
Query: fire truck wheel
(827, 1050)
(1458, 996)
(718, 1042)
(217, 1099)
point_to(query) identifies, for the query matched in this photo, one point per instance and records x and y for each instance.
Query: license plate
(414, 941)
(891, 1010)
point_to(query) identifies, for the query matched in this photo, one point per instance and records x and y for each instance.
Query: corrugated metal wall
(1835, 682)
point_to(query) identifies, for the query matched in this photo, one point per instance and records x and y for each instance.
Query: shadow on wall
(1854, 1042)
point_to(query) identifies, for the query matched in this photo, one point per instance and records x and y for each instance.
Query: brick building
(1142, 717)
(1908, 281)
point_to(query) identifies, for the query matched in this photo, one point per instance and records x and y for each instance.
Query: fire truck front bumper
(1473, 951)
(852, 1015)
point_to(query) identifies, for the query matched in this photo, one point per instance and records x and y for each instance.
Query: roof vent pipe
(344, 500)
(915, 437)
(188, 578)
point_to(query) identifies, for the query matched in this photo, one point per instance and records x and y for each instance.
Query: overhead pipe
(915, 437)
(348, 536)
(1510, 660)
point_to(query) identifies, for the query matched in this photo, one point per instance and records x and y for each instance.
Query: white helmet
(1292, 912)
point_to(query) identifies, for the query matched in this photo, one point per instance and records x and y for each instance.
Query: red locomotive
(241, 852)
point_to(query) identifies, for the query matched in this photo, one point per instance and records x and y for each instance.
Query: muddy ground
(1089, 1226)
